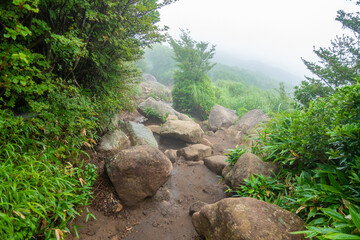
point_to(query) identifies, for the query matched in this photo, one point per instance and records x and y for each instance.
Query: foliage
(234, 154)
(152, 113)
(192, 92)
(318, 150)
(242, 98)
(267, 189)
(65, 68)
(338, 66)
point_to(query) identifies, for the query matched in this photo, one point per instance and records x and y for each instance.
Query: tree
(192, 92)
(339, 64)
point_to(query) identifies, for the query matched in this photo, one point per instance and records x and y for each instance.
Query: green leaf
(355, 216)
(333, 214)
(341, 236)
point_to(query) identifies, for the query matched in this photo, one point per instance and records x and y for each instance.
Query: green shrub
(318, 150)
(234, 154)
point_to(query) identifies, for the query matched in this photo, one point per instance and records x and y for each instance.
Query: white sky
(276, 32)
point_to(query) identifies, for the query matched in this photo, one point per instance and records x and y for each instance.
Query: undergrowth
(318, 150)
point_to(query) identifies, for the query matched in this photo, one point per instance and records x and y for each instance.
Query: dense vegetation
(338, 65)
(317, 147)
(192, 92)
(65, 68)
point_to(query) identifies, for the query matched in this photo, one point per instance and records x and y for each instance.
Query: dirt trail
(162, 217)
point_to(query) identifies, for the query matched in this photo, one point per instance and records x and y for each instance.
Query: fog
(278, 32)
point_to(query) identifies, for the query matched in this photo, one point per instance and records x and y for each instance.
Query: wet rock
(194, 152)
(246, 219)
(247, 123)
(196, 207)
(221, 117)
(187, 131)
(247, 165)
(171, 154)
(115, 140)
(138, 172)
(140, 135)
(216, 164)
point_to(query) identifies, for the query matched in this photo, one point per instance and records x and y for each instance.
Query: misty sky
(276, 32)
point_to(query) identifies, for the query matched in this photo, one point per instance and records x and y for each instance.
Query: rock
(162, 109)
(246, 219)
(154, 89)
(148, 77)
(195, 152)
(221, 117)
(171, 154)
(138, 172)
(247, 165)
(154, 128)
(196, 206)
(187, 131)
(115, 140)
(140, 135)
(206, 142)
(247, 123)
(216, 164)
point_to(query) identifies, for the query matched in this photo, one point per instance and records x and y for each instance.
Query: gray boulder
(221, 117)
(247, 123)
(140, 135)
(247, 165)
(188, 131)
(161, 108)
(148, 77)
(154, 89)
(194, 152)
(246, 219)
(216, 164)
(115, 140)
(138, 172)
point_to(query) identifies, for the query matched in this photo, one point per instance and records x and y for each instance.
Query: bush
(318, 150)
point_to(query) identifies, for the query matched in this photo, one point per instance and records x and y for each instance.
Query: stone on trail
(138, 172)
(195, 152)
(196, 207)
(171, 154)
(216, 164)
(188, 131)
(112, 141)
(246, 219)
(221, 117)
(140, 135)
(247, 165)
(247, 123)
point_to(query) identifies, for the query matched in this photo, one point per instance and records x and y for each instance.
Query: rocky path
(162, 217)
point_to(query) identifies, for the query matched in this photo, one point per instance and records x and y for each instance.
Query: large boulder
(138, 172)
(247, 165)
(246, 219)
(140, 135)
(161, 108)
(148, 77)
(221, 117)
(216, 164)
(188, 131)
(112, 141)
(247, 123)
(194, 152)
(154, 89)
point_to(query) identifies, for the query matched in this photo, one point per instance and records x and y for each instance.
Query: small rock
(216, 164)
(195, 152)
(171, 154)
(196, 206)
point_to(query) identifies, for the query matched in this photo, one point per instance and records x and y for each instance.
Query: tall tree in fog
(339, 64)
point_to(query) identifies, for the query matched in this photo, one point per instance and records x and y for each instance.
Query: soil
(164, 216)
